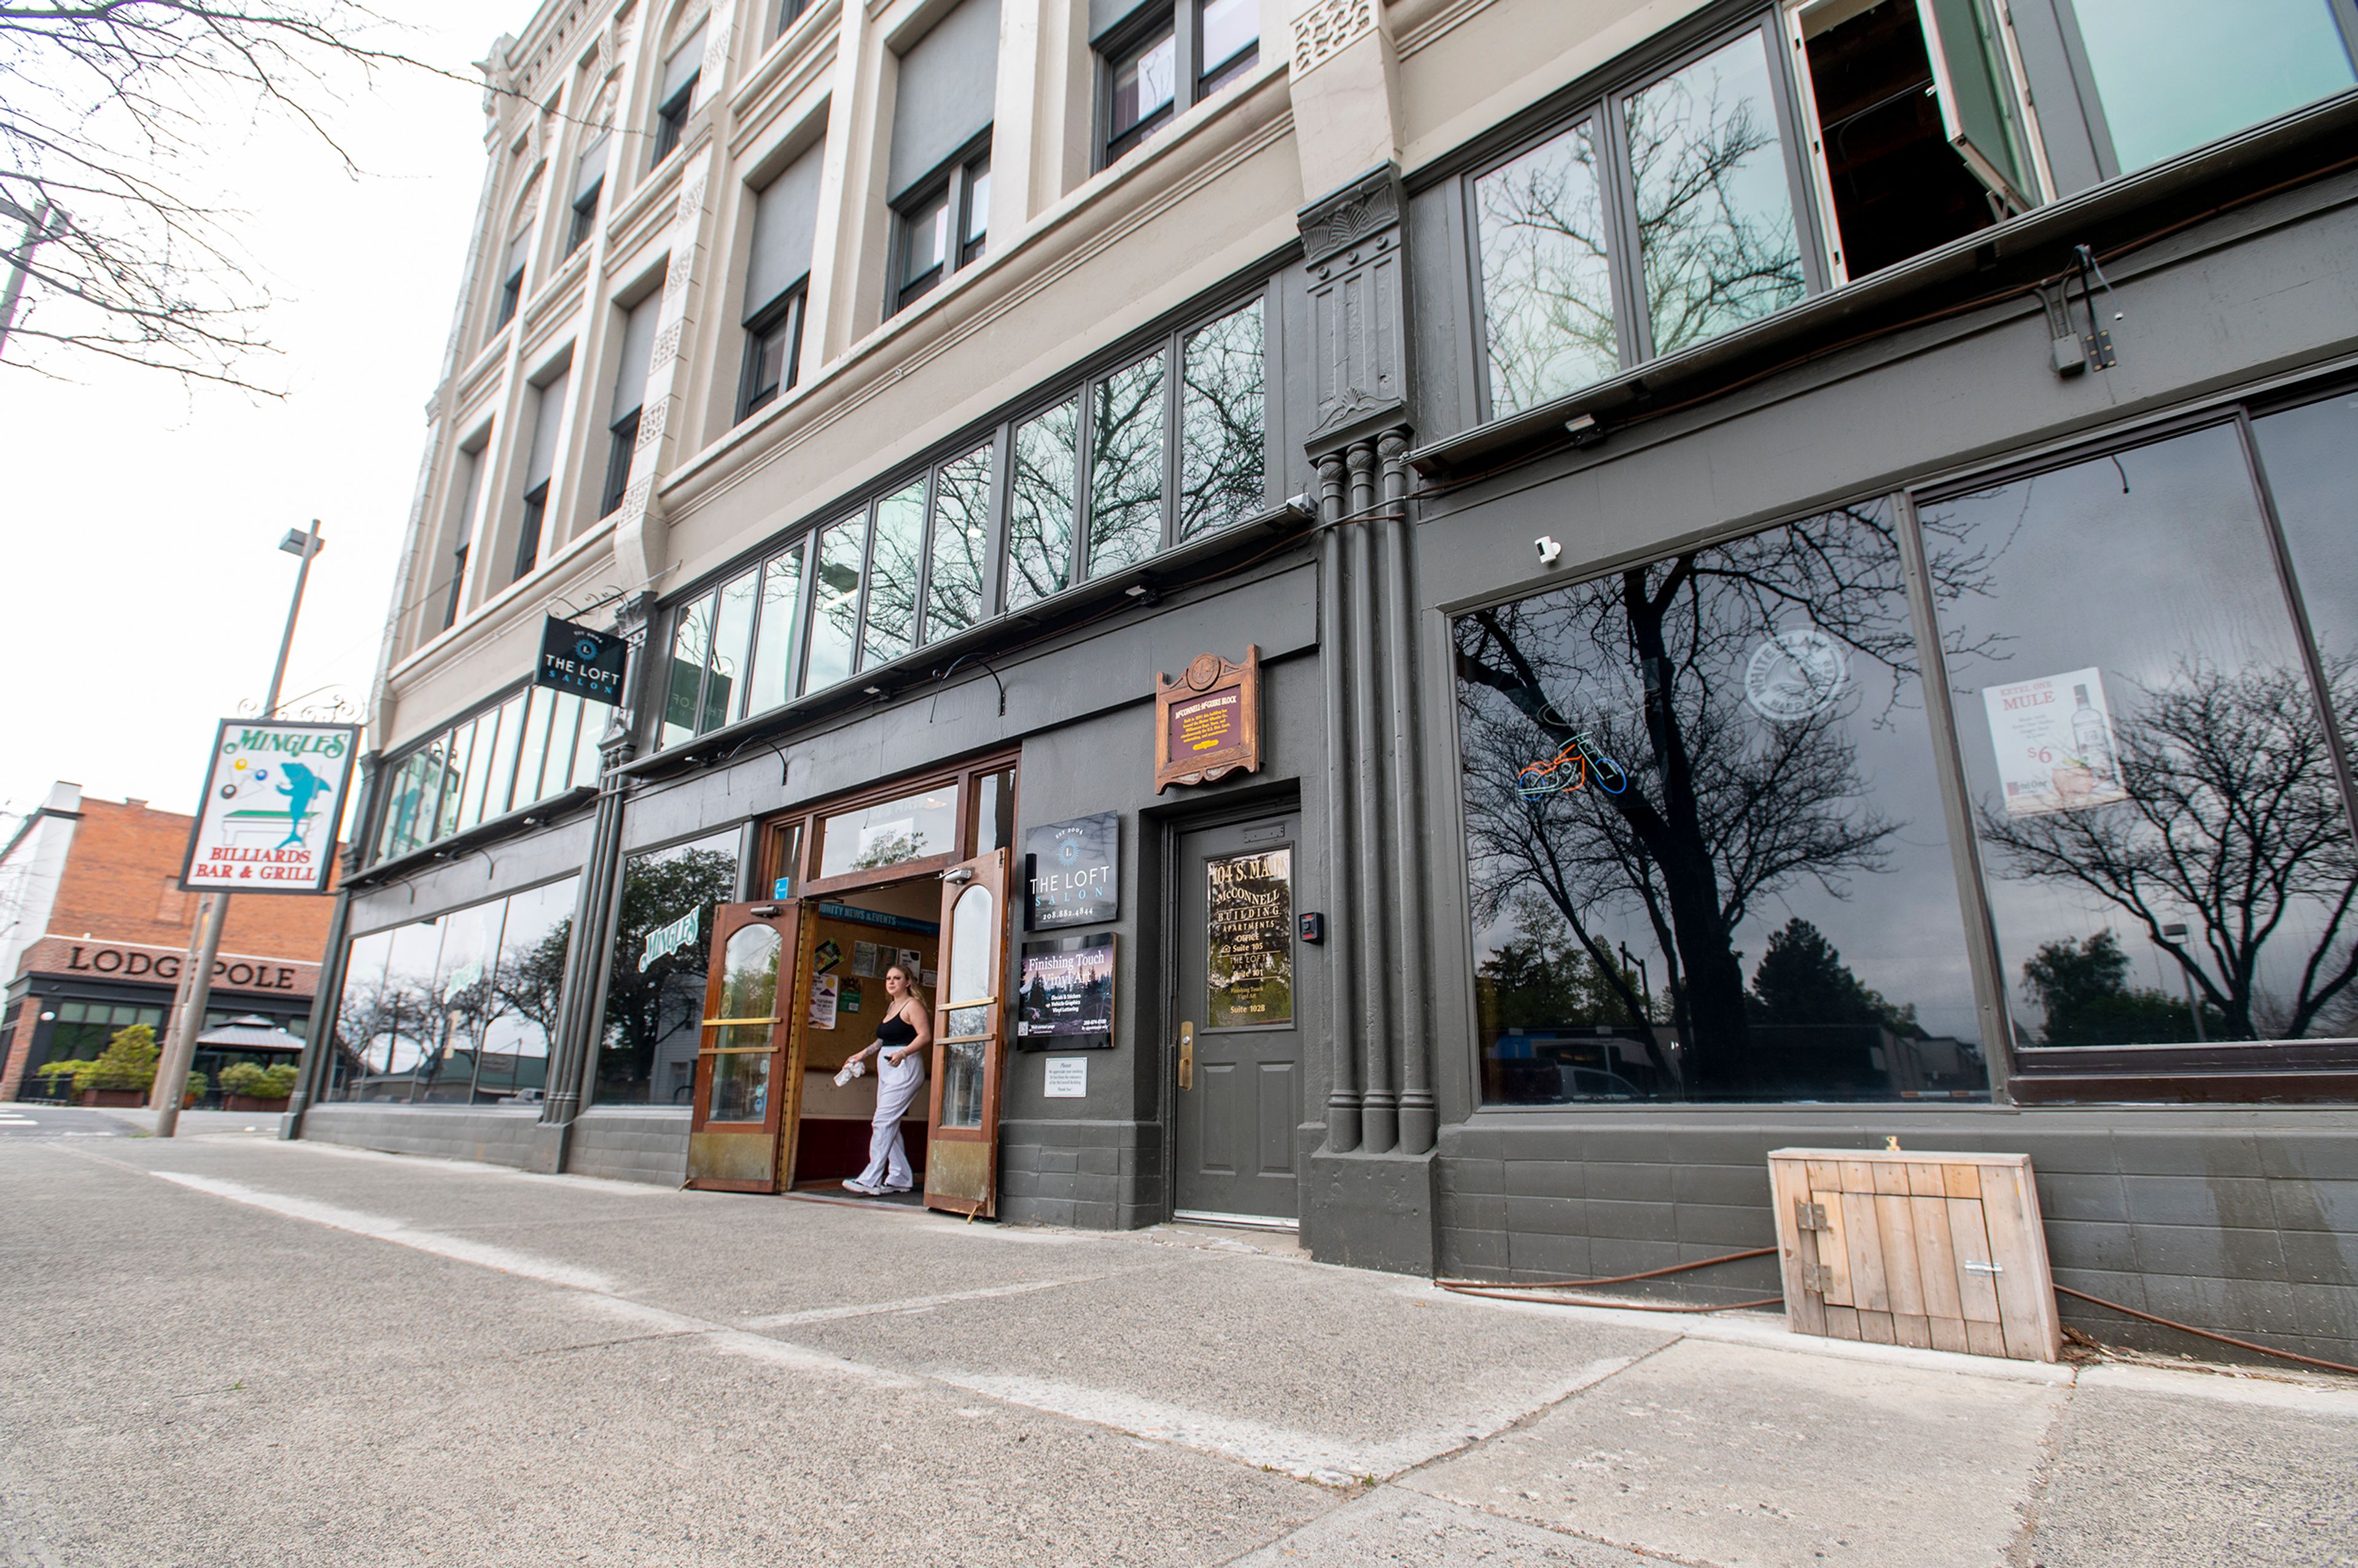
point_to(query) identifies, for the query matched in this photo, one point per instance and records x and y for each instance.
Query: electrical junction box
(1941, 1252)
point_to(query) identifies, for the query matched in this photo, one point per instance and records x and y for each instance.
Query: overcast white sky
(139, 519)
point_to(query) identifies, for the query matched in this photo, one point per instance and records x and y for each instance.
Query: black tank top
(896, 1031)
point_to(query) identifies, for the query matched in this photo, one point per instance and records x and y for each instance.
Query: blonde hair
(913, 981)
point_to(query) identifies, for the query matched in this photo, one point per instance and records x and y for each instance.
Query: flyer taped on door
(2054, 737)
(823, 998)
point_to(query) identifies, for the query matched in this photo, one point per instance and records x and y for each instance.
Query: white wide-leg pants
(888, 1154)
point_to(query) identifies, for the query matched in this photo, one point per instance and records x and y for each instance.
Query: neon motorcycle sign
(1570, 770)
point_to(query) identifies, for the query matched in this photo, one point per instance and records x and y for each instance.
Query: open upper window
(1915, 122)
(777, 274)
(938, 180)
(683, 68)
(1162, 56)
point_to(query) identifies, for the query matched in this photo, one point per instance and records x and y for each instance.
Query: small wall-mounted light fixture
(1550, 551)
(1583, 429)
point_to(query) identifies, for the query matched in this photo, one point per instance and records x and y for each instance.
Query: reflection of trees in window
(892, 574)
(1547, 281)
(835, 607)
(1222, 416)
(2235, 818)
(1040, 506)
(1716, 235)
(1126, 467)
(1722, 811)
(961, 544)
(2083, 989)
(644, 1006)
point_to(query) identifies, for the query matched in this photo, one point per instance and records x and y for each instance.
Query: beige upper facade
(1078, 254)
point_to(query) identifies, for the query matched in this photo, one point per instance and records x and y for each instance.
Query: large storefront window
(2163, 837)
(654, 985)
(1133, 462)
(1705, 832)
(536, 744)
(458, 1010)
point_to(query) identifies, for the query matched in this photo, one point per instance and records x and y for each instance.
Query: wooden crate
(1941, 1251)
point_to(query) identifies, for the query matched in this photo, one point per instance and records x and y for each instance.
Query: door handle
(1186, 1055)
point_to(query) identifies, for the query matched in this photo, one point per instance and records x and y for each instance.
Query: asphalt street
(227, 1349)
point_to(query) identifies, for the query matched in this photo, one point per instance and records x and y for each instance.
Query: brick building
(95, 927)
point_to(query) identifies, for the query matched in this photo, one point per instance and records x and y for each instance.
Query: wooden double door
(749, 1067)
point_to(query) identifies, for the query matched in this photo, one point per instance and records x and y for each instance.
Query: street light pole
(196, 976)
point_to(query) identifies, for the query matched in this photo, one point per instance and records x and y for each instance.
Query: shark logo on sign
(274, 795)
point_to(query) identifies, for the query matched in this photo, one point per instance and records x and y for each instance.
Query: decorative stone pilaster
(1353, 253)
(640, 536)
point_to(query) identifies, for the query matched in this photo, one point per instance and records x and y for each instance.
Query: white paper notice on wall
(1068, 1077)
(826, 991)
(2054, 742)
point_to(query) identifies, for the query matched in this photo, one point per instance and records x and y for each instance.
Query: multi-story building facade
(1755, 573)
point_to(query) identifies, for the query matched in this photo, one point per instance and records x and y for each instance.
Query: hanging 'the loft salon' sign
(576, 659)
(1207, 723)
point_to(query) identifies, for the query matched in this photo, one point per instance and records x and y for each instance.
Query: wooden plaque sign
(1207, 723)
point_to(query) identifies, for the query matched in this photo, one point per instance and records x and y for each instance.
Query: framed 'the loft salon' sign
(1207, 723)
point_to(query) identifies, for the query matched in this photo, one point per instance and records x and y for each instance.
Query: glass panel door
(746, 1071)
(962, 1156)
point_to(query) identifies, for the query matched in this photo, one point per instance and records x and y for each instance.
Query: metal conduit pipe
(1380, 1103)
(1343, 1087)
(1420, 1118)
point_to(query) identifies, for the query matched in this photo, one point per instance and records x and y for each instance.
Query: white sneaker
(854, 1185)
(904, 1187)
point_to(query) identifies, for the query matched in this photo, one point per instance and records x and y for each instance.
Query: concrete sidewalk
(231, 1350)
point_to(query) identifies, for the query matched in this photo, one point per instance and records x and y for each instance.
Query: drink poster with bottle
(2054, 742)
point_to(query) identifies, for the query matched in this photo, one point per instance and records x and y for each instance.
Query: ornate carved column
(1420, 1118)
(1343, 1085)
(1380, 1104)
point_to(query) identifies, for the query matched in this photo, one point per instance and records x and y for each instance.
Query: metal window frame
(1191, 79)
(951, 181)
(1606, 107)
(1168, 339)
(789, 309)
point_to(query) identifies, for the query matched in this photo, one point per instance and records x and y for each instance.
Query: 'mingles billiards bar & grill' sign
(274, 797)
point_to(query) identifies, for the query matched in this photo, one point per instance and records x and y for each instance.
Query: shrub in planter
(127, 1062)
(248, 1086)
(50, 1074)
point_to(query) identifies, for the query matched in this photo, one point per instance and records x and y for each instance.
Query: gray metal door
(1238, 1051)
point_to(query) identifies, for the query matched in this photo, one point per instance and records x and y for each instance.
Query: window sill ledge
(2007, 259)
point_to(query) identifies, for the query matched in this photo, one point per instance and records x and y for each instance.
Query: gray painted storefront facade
(2238, 1217)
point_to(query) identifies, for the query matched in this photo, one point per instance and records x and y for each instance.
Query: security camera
(1550, 551)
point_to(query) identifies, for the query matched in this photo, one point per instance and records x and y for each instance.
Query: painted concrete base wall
(494, 1135)
(1099, 1175)
(2243, 1222)
(630, 1144)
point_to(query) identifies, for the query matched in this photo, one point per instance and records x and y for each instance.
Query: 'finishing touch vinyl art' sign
(274, 795)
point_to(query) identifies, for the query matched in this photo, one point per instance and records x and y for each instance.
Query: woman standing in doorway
(899, 1048)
